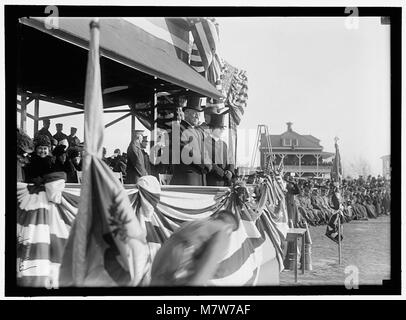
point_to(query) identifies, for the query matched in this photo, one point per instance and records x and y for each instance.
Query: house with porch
(300, 154)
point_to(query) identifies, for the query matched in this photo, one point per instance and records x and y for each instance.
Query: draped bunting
(159, 213)
(235, 86)
(205, 57)
(43, 228)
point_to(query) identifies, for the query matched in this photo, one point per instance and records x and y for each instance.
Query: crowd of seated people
(46, 153)
(361, 198)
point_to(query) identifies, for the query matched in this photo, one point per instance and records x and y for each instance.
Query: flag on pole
(106, 246)
(336, 169)
(334, 225)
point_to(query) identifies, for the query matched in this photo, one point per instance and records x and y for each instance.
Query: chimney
(289, 125)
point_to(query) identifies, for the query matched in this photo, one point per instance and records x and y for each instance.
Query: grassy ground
(365, 249)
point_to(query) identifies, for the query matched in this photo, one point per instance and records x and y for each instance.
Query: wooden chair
(165, 179)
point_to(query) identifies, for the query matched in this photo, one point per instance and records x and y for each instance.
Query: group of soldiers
(361, 199)
(192, 153)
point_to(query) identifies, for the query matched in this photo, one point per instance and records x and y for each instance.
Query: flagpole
(339, 238)
(338, 189)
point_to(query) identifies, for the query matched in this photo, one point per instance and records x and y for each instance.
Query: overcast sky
(327, 79)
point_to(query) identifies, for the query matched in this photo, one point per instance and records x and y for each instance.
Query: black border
(13, 12)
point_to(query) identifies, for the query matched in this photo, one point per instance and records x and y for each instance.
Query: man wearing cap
(59, 135)
(190, 161)
(45, 130)
(222, 171)
(135, 159)
(73, 139)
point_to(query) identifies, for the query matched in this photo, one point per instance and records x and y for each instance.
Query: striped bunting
(205, 57)
(42, 231)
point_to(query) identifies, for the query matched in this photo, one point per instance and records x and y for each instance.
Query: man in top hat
(190, 162)
(135, 159)
(59, 135)
(144, 144)
(45, 130)
(222, 171)
(73, 139)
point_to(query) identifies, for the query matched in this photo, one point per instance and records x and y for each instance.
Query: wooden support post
(154, 116)
(23, 119)
(339, 238)
(36, 116)
(117, 120)
(132, 126)
(296, 260)
(303, 254)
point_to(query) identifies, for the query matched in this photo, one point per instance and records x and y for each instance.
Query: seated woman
(62, 163)
(41, 162)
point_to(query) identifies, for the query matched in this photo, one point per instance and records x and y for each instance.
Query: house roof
(303, 141)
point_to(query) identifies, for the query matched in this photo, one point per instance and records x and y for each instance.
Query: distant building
(301, 154)
(386, 166)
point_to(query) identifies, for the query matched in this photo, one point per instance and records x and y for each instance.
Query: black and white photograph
(184, 150)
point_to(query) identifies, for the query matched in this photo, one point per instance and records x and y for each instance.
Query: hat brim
(198, 109)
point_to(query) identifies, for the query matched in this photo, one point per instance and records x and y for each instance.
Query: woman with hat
(41, 160)
(63, 163)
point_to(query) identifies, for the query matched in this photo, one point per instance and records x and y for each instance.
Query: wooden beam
(113, 111)
(29, 100)
(30, 116)
(117, 120)
(61, 115)
(36, 115)
(23, 119)
(58, 101)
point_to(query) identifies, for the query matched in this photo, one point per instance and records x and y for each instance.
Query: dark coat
(73, 141)
(193, 174)
(147, 162)
(38, 167)
(219, 159)
(60, 136)
(68, 168)
(135, 163)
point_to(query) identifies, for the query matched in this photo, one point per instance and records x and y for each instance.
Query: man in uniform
(59, 135)
(191, 163)
(135, 159)
(73, 139)
(222, 171)
(45, 129)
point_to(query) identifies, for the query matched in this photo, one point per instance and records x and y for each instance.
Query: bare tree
(360, 166)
